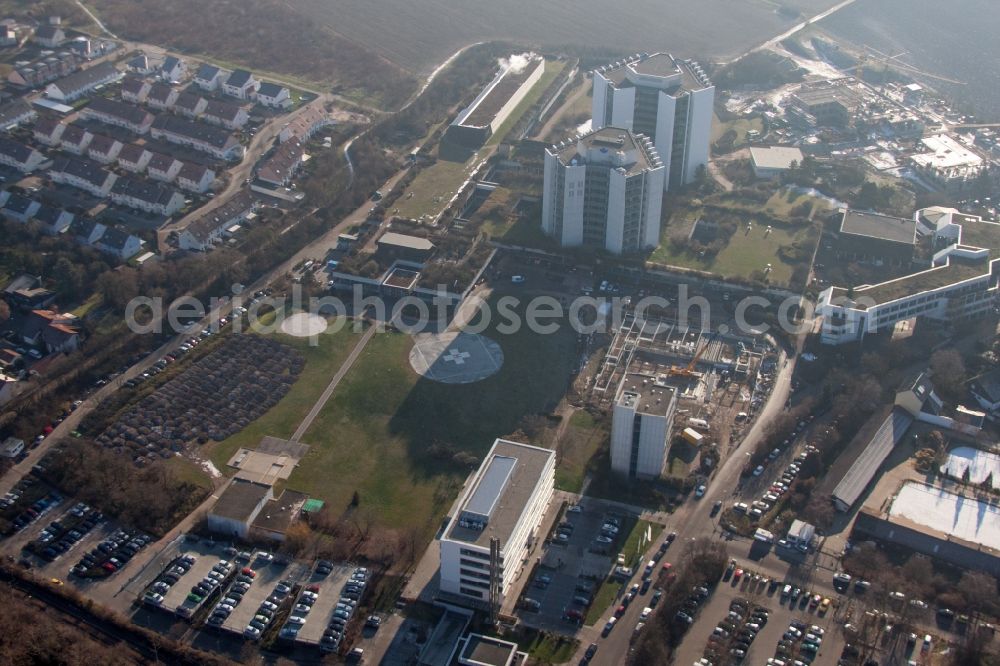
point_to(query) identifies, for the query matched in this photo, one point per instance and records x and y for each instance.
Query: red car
(110, 568)
(313, 588)
(620, 611)
(247, 571)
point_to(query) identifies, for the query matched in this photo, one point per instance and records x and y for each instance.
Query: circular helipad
(303, 325)
(455, 358)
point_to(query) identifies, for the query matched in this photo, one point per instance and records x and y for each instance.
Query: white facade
(515, 483)
(640, 428)
(960, 285)
(669, 100)
(604, 191)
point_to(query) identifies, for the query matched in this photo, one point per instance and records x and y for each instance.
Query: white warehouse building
(506, 499)
(640, 428)
(666, 99)
(604, 190)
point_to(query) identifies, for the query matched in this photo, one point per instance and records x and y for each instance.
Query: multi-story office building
(959, 284)
(666, 99)
(640, 429)
(505, 500)
(604, 190)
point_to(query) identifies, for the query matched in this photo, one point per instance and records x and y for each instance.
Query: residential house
(120, 114)
(75, 139)
(204, 232)
(135, 90)
(8, 36)
(241, 84)
(86, 175)
(228, 115)
(48, 131)
(206, 138)
(306, 124)
(273, 95)
(209, 77)
(48, 67)
(139, 64)
(56, 332)
(281, 166)
(53, 220)
(190, 105)
(20, 208)
(162, 96)
(78, 84)
(86, 230)
(104, 149)
(25, 293)
(120, 243)
(173, 69)
(147, 195)
(51, 36)
(81, 46)
(134, 158)
(16, 113)
(195, 177)
(163, 167)
(22, 157)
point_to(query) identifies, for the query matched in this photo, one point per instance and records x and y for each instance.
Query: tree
(4, 312)
(948, 371)
(69, 279)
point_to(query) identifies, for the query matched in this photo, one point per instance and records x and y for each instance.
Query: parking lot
(175, 600)
(572, 569)
(263, 586)
(767, 636)
(321, 612)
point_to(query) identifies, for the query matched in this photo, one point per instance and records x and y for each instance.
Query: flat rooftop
(240, 499)
(484, 109)
(843, 91)
(956, 270)
(662, 65)
(403, 240)
(641, 393)
(487, 651)
(609, 146)
(882, 227)
(949, 514)
(499, 493)
(944, 152)
(775, 157)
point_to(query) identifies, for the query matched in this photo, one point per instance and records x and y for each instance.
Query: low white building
(209, 77)
(273, 96)
(19, 156)
(119, 243)
(195, 177)
(771, 161)
(241, 84)
(12, 447)
(801, 535)
(505, 500)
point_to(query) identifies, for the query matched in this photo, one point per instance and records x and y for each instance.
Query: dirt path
(561, 111)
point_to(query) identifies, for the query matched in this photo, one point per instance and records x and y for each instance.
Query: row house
(104, 149)
(86, 230)
(86, 175)
(48, 131)
(190, 105)
(202, 233)
(16, 113)
(112, 112)
(51, 36)
(19, 208)
(199, 136)
(52, 220)
(134, 158)
(163, 167)
(162, 96)
(230, 116)
(75, 139)
(147, 195)
(195, 177)
(75, 86)
(45, 69)
(22, 157)
(173, 69)
(119, 243)
(135, 90)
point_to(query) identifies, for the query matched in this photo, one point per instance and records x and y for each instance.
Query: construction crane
(689, 371)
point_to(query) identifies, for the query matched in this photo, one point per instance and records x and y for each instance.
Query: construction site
(720, 380)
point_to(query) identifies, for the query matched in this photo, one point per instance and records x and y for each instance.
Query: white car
(646, 612)
(700, 490)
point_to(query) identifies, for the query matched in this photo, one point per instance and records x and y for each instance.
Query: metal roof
(868, 463)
